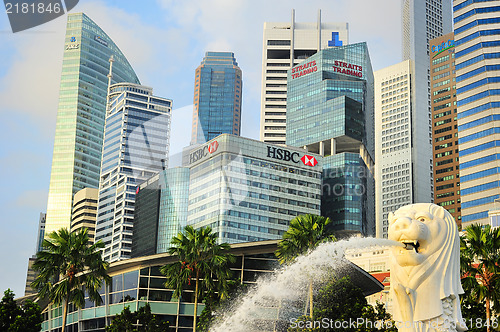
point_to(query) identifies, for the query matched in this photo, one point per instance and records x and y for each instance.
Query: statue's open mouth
(411, 245)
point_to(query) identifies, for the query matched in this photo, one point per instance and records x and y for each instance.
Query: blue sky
(164, 40)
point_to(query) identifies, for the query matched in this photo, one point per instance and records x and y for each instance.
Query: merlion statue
(425, 274)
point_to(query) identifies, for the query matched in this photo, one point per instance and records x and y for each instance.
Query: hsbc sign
(204, 151)
(285, 155)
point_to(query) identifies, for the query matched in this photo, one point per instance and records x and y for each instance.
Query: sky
(164, 41)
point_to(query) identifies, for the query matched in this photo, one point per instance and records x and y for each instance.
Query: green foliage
(305, 233)
(61, 265)
(14, 318)
(202, 261)
(140, 321)
(340, 300)
(479, 263)
(214, 306)
(472, 310)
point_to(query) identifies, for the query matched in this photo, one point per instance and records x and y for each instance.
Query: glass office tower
(136, 142)
(330, 111)
(477, 64)
(76, 159)
(217, 97)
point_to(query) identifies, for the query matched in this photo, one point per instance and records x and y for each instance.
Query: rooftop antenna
(110, 76)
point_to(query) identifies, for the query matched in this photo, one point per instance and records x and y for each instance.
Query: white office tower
(407, 165)
(285, 45)
(136, 142)
(396, 163)
(477, 57)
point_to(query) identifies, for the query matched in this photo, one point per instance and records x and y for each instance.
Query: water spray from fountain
(281, 297)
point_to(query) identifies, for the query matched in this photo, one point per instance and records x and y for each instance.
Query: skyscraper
(285, 45)
(85, 211)
(444, 125)
(330, 112)
(406, 147)
(423, 20)
(217, 97)
(80, 117)
(478, 103)
(395, 173)
(136, 142)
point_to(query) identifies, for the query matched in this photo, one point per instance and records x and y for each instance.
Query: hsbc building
(248, 190)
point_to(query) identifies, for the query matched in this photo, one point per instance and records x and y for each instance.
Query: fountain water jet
(284, 290)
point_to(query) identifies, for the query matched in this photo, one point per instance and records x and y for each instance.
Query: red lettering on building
(347, 68)
(301, 70)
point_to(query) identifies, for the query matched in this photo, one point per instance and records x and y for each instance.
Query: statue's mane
(438, 277)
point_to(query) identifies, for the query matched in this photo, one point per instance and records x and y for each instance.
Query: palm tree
(305, 233)
(201, 259)
(479, 262)
(68, 267)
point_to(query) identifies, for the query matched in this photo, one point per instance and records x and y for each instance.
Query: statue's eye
(422, 219)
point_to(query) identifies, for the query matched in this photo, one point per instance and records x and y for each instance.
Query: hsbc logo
(285, 155)
(309, 160)
(203, 152)
(212, 147)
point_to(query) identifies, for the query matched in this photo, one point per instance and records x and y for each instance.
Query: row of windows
(477, 46)
(446, 161)
(478, 109)
(481, 187)
(477, 71)
(478, 122)
(441, 59)
(481, 95)
(468, 3)
(438, 84)
(480, 161)
(487, 132)
(478, 84)
(478, 58)
(475, 216)
(479, 147)
(477, 34)
(481, 174)
(480, 201)
(476, 11)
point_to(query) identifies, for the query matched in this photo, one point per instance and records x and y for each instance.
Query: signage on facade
(101, 41)
(348, 68)
(285, 155)
(204, 151)
(445, 45)
(73, 45)
(304, 69)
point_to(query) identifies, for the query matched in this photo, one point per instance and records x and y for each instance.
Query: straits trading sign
(304, 69)
(445, 45)
(347, 68)
(294, 157)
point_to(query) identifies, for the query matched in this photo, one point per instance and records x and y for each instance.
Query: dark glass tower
(330, 111)
(76, 159)
(217, 97)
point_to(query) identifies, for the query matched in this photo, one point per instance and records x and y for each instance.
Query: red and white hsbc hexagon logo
(309, 160)
(212, 147)
(285, 155)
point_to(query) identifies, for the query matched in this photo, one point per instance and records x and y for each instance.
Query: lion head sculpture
(425, 273)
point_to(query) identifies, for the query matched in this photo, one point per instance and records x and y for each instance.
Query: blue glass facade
(78, 139)
(330, 111)
(136, 142)
(217, 97)
(478, 101)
